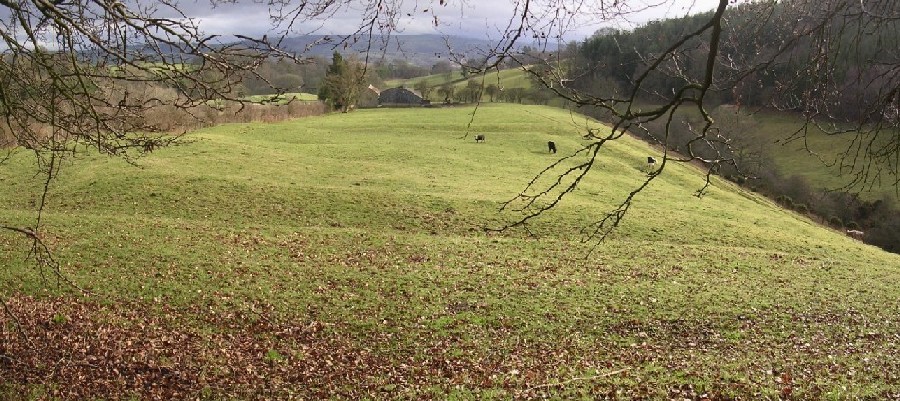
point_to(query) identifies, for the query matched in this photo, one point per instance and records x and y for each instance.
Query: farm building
(400, 97)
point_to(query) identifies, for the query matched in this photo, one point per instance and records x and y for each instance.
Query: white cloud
(253, 23)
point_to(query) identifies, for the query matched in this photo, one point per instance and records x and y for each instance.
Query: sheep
(856, 234)
(479, 138)
(551, 146)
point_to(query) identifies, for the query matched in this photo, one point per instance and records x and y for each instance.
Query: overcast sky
(475, 18)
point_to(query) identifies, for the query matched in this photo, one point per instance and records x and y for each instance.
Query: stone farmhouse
(400, 97)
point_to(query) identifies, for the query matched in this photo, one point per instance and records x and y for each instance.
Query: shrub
(852, 225)
(835, 221)
(801, 208)
(886, 234)
(785, 200)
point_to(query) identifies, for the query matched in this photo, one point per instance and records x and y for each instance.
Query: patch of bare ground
(81, 349)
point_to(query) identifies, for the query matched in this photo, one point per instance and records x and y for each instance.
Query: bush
(737, 179)
(796, 188)
(785, 201)
(802, 208)
(886, 234)
(853, 225)
(835, 221)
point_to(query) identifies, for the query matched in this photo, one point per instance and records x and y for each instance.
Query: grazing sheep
(651, 163)
(856, 234)
(551, 146)
(479, 138)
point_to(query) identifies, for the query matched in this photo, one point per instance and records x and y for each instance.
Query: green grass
(283, 98)
(344, 256)
(813, 156)
(507, 79)
(159, 67)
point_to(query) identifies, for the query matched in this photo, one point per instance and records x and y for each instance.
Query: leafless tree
(624, 114)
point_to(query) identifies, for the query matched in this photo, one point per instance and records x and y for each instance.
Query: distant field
(284, 98)
(281, 99)
(773, 129)
(508, 78)
(808, 158)
(345, 257)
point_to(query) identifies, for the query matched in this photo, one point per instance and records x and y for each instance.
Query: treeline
(283, 76)
(771, 54)
(313, 77)
(836, 65)
(274, 76)
(476, 90)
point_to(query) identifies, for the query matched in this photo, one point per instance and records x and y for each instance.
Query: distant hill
(422, 50)
(417, 49)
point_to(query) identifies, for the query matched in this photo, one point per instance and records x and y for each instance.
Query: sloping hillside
(816, 156)
(507, 79)
(417, 49)
(345, 257)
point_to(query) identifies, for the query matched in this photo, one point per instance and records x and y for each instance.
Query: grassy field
(814, 158)
(809, 158)
(345, 257)
(507, 79)
(284, 98)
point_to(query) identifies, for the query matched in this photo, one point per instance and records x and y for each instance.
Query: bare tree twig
(19, 328)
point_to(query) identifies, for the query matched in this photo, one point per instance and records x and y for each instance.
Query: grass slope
(344, 256)
(507, 79)
(284, 98)
(811, 158)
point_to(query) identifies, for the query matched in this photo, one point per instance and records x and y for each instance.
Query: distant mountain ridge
(417, 49)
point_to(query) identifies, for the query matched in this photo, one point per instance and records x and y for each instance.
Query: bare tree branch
(626, 117)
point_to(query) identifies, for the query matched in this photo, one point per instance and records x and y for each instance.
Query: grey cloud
(475, 18)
